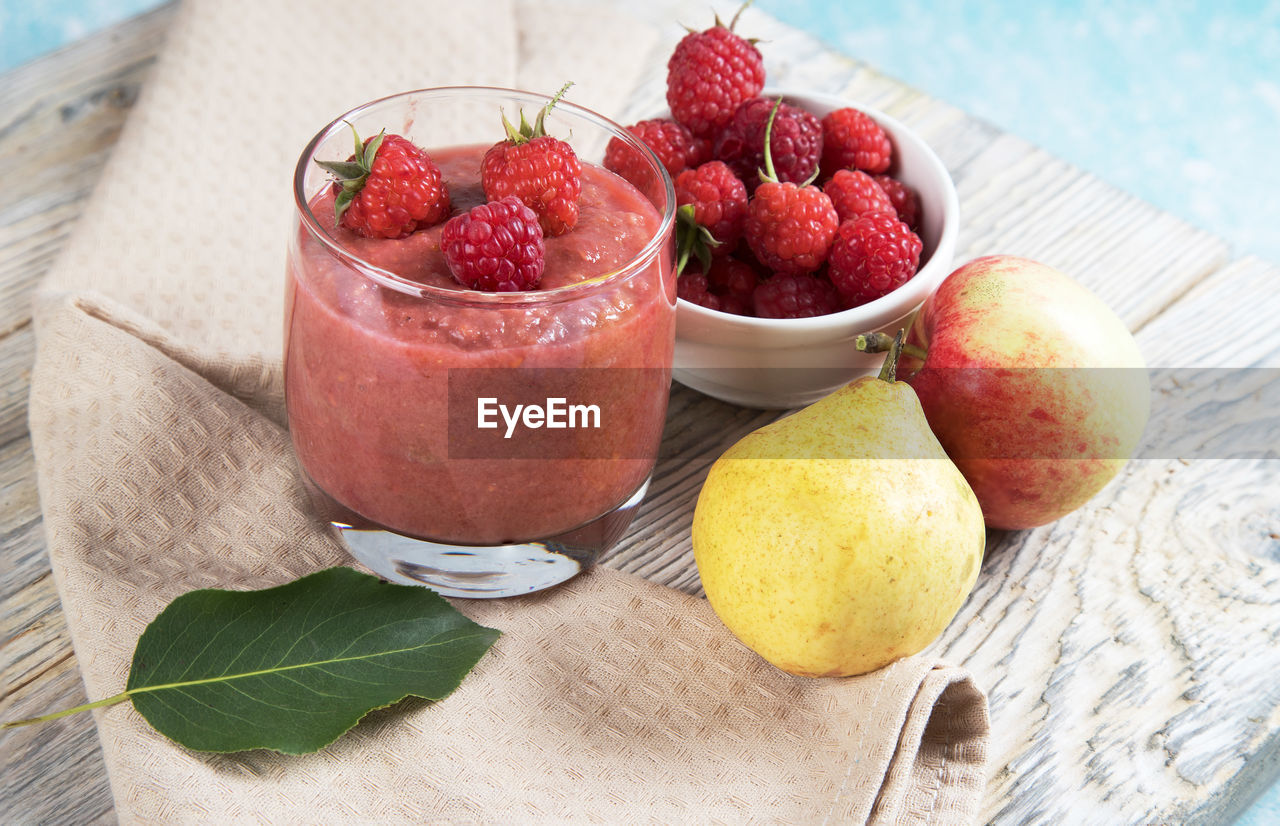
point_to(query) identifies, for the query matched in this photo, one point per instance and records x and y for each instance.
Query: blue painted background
(1176, 102)
(29, 28)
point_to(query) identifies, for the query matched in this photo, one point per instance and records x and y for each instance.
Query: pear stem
(889, 370)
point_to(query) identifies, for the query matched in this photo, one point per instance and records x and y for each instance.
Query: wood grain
(1126, 648)
(1153, 613)
(17, 353)
(51, 773)
(61, 116)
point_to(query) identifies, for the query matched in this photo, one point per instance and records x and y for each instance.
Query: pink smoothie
(367, 370)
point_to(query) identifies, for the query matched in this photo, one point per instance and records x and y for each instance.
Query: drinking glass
(482, 444)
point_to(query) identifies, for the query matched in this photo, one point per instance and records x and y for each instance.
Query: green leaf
(292, 668)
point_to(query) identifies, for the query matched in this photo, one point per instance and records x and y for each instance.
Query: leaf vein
(308, 632)
(318, 664)
(248, 647)
(211, 641)
(269, 704)
(313, 689)
(160, 698)
(155, 668)
(215, 709)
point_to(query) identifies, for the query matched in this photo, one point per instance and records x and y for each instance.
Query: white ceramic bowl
(790, 362)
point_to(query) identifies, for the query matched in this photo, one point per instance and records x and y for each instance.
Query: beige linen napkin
(156, 413)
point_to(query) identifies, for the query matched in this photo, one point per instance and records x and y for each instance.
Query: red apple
(1019, 382)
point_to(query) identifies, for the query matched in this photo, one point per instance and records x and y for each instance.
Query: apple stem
(881, 342)
(889, 370)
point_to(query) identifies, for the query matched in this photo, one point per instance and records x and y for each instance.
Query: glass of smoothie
(484, 444)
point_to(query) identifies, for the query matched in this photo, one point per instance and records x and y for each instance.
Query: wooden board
(1126, 648)
(61, 116)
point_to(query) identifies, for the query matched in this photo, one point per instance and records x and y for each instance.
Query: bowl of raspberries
(805, 219)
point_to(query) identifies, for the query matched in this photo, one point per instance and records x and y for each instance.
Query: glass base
(488, 571)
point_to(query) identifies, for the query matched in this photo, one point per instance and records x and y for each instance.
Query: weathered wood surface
(59, 119)
(1126, 648)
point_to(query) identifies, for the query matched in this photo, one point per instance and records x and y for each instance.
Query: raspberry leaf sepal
(526, 132)
(733, 22)
(344, 170)
(693, 239)
(370, 151)
(352, 174)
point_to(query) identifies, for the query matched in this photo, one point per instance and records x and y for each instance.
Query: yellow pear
(841, 538)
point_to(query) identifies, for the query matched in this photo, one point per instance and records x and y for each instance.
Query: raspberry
(719, 202)
(693, 286)
(795, 296)
(736, 304)
(675, 146)
(727, 286)
(542, 171)
(789, 227)
(496, 247)
(388, 188)
(905, 201)
(854, 192)
(872, 256)
(709, 74)
(852, 140)
(796, 144)
(544, 174)
(733, 277)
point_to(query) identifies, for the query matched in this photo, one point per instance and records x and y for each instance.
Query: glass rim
(389, 279)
